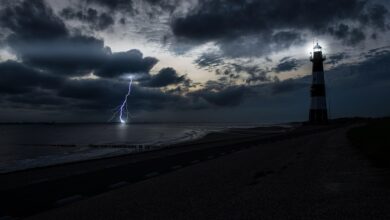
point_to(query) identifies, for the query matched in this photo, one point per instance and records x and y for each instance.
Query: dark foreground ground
(306, 173)
(373, 140)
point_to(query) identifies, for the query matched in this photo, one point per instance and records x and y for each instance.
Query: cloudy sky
(194, 60)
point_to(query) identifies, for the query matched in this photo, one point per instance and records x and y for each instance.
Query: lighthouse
(318, 113)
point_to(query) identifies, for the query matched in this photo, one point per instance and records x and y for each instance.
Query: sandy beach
(304, 173)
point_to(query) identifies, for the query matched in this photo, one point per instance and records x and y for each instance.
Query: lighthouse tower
(318, 112)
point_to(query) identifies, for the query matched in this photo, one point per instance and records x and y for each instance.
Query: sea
(24, 146)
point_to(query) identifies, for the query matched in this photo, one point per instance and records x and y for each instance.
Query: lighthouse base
(318, 116)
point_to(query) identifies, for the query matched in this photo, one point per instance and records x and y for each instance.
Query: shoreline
(90, 152)
(140, 149)
(241, 137)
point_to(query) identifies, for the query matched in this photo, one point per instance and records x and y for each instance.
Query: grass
(373, 140)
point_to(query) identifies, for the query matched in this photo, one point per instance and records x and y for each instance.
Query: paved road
(31, 199)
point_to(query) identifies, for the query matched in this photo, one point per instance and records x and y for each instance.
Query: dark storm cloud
(165, 77)
(376, 52)
(221, 18)
(49, 53)
(259, 27)
(376, 16)
(113, 4)
(242, 68)
(41, 99)
(18, 78)
(40, 39)
(356, 36)
(350, 36)
(96, 20)
(153, 99)
(254, 72)
(226, 74)
(32, 20)
(287, 98)
(284, 39)
(249, 73)
(287, 64)
(259, 44)
(24, 87)
(104, 94)
(230, 96)
(336, 58)
(290, 85)
(209, 60)
(131, 61)
(82, 55)
(260, 76)
(58, 51)
(73, 56)
(90, 89)
(130, 6)
(373, 70)
(341, 31)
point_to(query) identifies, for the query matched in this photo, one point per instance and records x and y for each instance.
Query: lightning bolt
(124, 104)
(123, 107)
